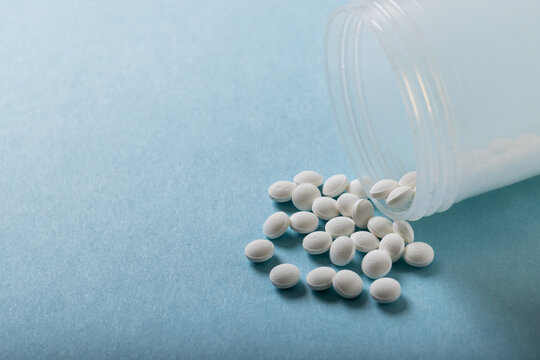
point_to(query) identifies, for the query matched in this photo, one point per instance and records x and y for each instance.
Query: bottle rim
(424, 94)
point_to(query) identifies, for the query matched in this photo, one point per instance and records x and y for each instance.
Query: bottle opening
(390, 106)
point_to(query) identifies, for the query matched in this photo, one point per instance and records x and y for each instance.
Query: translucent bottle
(448, 88)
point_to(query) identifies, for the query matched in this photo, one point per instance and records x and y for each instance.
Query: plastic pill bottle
(450, 89)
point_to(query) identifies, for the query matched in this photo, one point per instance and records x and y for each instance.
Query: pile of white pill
(345, 208)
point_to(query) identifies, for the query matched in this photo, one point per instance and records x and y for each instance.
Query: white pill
(379, 226)
(383, 188)
(285, 276)
(409, 179)
(365, 241)
(308, 177)
(317, 242)
(303, 196)
(320, 278)
(281, 191)
(418, 254)
(259, 250)
(342, 251)
(394, 245)
(399, 196)
(276, 225)
(357, 189)
(385, 290)
(325, 208)
(335, 185)
(304, 222)
(405, 230)
(362, 211)
(340, 226)
(376, 264)
(345, 204)
(348, 284)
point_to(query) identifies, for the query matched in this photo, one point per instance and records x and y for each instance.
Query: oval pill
(399, 196)
(418, 254)
(335, 185)
(385, 290)
(303, 196)
(340, 226)
(376, 264)
(394, 245)
(404, 229)
(379, 226)
(325, 207)
(317, 242)
(281, 191)
(345, 203)
(357, 189)
(320, 278)
(308, 177)
(365, 241)
(362, 211)
(304, 222)
(276, 225)
(259, 250)
(382, 188)
(409, 179)
(285, 276)
(348, 284)
(342, 251)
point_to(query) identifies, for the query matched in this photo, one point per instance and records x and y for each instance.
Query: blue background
(138, 140)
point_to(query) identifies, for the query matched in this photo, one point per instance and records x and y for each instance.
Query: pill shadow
(289, 240)
(321, 259)
(402, 267)
(287, 207)
(396, 307)
(267, 266)
(296, 292)
(327, 296)
(357, 302)
(472, 241)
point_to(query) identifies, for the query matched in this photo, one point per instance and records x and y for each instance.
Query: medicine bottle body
(449, 89)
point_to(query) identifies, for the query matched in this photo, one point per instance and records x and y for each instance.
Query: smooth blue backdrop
(137, 143)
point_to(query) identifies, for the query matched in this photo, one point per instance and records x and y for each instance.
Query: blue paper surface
(137, 143)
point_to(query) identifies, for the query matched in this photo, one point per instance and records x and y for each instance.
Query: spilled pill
(325, 207)
(409, 179)
(418, 254)
(317, 242)
(304, 222)
(308, 177)
(342, 251)
(376, 264)
(365, 241)
(281, 191)
(259, 250)
(399, 196)
(345, 204)
(357, 189)
(320, 278)
(394, 245)
(335, 185)
(348, 284)
(385, 290)
(276, 225)
(404, 229)
(340, 226)
(382, 188)
(379, 226)
(285, 276)
(362, 211)
(303, 196)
